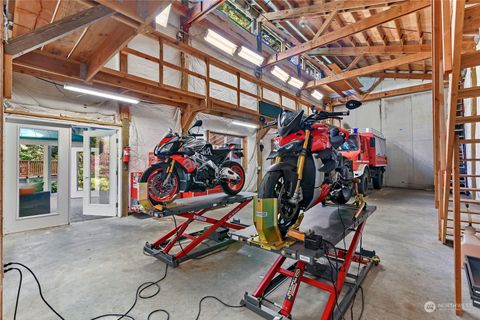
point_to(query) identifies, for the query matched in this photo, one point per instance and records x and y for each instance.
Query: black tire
(233, 189)
(343, 196)
(363, 184)
(269, 188)
(144, 179)
(377, 181)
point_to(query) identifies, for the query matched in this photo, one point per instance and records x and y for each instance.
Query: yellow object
(265, 215)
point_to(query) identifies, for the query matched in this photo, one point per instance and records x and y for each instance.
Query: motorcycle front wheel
(274, 185)
(160, 192)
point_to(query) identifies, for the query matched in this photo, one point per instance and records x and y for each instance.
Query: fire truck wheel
(363, 185)
(378, 180)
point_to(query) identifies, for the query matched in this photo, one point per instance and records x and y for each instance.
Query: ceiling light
(251, 56)
(102, 94)
(162, 17)
(317, 95)
(220, 42)
(295, 82)
(280, 74)
(245, 124)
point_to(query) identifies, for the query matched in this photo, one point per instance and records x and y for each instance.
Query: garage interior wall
(409, 139)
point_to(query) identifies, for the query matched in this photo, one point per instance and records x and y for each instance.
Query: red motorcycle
(189, 163)
(308, 167)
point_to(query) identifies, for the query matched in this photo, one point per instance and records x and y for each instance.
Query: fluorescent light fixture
(220, 42)
(245, 124)
(162, 18)
(295, 82)
(317, 95)
(280, 74)
(102, 94)
(251, 56)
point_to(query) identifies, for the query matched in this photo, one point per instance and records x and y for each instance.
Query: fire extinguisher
(126, 155)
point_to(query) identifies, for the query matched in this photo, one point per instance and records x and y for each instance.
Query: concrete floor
(94, 267)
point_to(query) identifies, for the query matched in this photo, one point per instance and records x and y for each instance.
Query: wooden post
(160, 71)
(452, 106)
(473, 134)
(1, 158)
(457, 230)
(7, 76)
(125, 141)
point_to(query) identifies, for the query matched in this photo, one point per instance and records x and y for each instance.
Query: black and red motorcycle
(308, 167)
(190, 163)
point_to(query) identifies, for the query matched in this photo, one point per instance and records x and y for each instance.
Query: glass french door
(36, 176)
(100, 156)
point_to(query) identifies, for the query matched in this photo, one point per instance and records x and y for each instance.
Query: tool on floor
(195, 209)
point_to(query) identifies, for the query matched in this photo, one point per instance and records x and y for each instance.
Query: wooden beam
(53, 31)
(125, 142)
(53, 67)
(447, 36)
(325, 9)
(7, 76)
(325, 24)
(2, 122)
(139, 10)
(371, 50)
(457, 35)
(401, 75)
(390, 93)
(369, 69)
(470, 59)
(398, 92)
(199, 11)
(469, 93)
(121, 36)
(367, 23)
(106, 50)
(471, 22)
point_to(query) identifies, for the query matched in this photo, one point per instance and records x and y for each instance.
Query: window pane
(38, 172)
(100, 170)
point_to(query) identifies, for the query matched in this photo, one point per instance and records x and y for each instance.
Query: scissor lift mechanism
(194, 209)
(333, 223)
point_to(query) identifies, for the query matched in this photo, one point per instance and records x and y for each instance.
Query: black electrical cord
(332, 277)
(215, 298)
(157, 311)
(144, 286)
(38, 284)
(19, 288)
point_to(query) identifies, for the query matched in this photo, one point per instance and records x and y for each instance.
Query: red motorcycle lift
(194, 209)
(316, 267)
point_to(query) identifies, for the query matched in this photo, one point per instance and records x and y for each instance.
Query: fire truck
(367, 150)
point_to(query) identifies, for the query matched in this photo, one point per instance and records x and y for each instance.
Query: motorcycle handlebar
(270, 124)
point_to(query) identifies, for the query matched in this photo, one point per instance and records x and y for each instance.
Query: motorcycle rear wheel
(274, 185)
(231, 187)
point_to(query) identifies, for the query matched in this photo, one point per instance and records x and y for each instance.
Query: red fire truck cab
(367, 150)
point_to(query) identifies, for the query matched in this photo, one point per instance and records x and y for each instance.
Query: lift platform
(193, 209)
(323, 264)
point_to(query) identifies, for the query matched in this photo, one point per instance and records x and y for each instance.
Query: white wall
(406, 122)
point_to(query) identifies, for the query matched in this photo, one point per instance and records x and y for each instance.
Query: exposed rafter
(369, 69)
(53, 31)
(350, 29)
(120, 38)
(326, 8)
(371, 50)
(199, 11)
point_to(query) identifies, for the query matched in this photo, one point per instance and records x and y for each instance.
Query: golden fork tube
(301, 161)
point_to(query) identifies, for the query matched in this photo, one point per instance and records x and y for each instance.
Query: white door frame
(74, 193)
(110, 209)
(14, 223)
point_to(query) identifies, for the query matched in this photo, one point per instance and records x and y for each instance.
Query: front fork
(169, 172)
(297, 196)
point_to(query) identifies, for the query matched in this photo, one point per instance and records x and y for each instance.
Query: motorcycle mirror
(262, 119)
(353, 104)
(197, 123)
